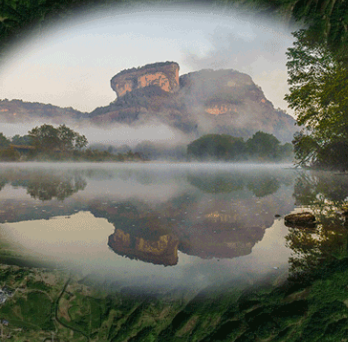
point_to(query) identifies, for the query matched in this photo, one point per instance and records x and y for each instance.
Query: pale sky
(71, 63)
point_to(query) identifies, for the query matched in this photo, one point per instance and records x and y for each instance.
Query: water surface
(149, 225)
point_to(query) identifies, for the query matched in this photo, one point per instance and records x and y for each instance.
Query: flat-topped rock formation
(163, 75)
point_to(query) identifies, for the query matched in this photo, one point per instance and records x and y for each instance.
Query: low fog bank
(116, 137)
(160, 142)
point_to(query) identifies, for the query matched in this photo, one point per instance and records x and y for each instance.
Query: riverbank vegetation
(56, 144)
(63, 144)
(262, 147)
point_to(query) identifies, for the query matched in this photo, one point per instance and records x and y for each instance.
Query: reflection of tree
(263, 186)
(47, 187)
(318, 187)
(318, 246)
(3, 182)
(217, 183)
(325, 194)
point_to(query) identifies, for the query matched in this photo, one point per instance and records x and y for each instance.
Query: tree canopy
(47, 138)
(261, 146)
(21, 140)
(318, 94)
(4, 142)
(216, 146)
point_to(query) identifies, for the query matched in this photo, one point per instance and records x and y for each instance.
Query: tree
(217, 146)
(4, 142)
(263, 145)
(47, 138)
(44, 138)
(318, 94)
(21, 140)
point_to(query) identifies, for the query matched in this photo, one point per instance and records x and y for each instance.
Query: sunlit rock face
(163, 251)
(163, 75)
(217, 109)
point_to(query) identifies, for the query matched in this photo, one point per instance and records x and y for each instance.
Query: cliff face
(227, 101)
(163, 75)
(206, 101)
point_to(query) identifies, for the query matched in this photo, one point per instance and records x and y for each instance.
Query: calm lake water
(150, 225)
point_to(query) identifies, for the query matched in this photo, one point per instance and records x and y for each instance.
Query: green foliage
(216, 147)
(21, 140)
(48, 139)
(36, 310)
(4, 142)
(62, 143)
(264, 145)
(318, 87)
(312, 70)
(45, 138)
(261, 146)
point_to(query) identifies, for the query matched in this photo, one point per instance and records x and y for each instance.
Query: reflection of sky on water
(75, 230)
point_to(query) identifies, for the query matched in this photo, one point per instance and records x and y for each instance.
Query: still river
(155, 225)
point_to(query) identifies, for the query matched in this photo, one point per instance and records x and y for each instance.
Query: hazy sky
(71, 64)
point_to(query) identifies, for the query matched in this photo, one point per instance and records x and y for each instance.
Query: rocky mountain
(206, 101)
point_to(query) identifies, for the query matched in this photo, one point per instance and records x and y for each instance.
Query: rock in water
(304, 219)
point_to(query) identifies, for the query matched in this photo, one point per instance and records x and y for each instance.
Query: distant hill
(206, 101)
(18, 111)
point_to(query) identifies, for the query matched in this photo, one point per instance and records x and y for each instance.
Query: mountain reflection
(206, 214)
(208, 225)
